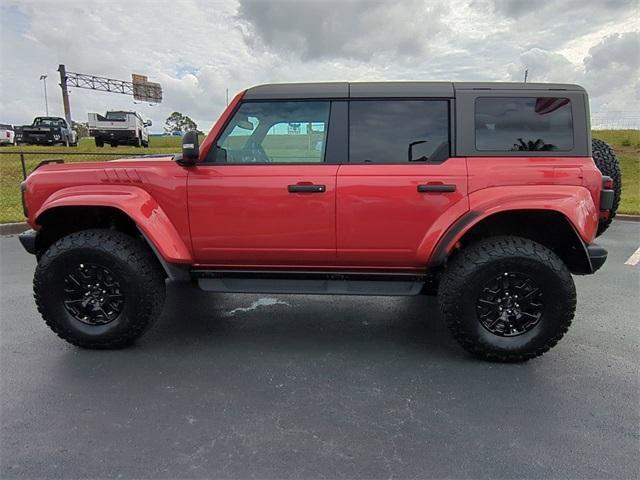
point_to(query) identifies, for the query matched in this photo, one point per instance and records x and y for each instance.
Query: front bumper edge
(28, 241)
(597, 256)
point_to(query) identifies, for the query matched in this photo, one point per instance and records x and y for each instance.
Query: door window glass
(504, 124)
(274, 132)
(398, 131)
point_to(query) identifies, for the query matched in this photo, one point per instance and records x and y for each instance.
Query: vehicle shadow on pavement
(193, 318)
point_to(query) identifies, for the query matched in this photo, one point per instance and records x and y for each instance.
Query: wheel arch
(551, 228)
(129, 209)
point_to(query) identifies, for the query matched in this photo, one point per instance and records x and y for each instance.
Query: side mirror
(148, 123)
(190, 147)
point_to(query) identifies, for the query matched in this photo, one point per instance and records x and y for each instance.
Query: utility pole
(46, 102)
(526, 74)
(227, 97)
(65, 93)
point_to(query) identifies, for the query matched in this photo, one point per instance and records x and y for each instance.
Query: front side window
(274, 132)
(512, 124)
(398, 131)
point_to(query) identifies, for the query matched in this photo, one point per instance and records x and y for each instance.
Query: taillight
(7, 134)
(607, 183)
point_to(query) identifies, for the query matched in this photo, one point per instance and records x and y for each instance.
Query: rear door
(266, 195)
(399, 181)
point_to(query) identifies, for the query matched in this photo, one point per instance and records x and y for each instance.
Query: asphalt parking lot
(250, 386)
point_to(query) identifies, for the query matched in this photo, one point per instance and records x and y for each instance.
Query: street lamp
(46, 102)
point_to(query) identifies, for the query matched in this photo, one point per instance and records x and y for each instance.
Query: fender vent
(121, 175)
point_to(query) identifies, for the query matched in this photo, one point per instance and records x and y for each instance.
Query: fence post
(24, 167)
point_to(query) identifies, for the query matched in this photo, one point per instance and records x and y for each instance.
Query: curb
(13, 228)
(627, 218)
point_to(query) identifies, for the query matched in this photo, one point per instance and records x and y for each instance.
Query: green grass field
(625, 142)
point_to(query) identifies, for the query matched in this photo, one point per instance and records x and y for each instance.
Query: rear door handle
(436, 187)
(307, 188)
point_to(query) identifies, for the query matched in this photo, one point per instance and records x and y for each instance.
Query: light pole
(46, 102)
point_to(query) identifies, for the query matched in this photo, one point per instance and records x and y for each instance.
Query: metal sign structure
(140, 88)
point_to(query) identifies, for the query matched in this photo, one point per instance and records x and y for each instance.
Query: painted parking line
(634, 259)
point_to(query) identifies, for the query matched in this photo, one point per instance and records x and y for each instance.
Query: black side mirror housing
(190, 147)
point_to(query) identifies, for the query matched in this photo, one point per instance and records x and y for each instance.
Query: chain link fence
(15, 166)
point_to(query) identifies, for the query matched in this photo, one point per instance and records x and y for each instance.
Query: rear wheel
(507, 299)
(99, 288)
(607, 162)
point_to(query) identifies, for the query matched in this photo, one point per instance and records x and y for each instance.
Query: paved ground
(318, 387)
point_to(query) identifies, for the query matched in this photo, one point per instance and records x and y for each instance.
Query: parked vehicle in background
(47, 131)
(119, 128)
(484, 192)
(7, 134)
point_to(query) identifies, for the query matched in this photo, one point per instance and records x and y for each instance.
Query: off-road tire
(607, 162)
(140, 278)
(469, 271)
(99, 143)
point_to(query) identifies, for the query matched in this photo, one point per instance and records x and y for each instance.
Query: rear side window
(398, 131)
(525, 124)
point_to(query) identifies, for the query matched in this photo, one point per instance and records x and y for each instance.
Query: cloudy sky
(198, 49)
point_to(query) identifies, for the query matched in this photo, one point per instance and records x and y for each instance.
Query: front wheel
(99, 288)
(507, 299)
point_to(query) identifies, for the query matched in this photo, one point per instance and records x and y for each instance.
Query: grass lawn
(625, 142)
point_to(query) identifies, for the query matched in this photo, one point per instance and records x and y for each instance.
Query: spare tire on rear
(607, 162)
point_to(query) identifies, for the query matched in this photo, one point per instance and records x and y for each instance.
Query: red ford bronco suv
(487, 192)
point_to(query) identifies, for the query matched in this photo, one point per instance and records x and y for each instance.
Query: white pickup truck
(7, 134)
(119, 128)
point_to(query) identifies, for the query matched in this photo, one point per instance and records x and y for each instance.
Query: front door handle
(307, 188)
(436, 187)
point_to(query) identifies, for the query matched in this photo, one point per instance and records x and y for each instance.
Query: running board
(310, 283)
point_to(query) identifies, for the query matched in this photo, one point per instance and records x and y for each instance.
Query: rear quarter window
(519, 124)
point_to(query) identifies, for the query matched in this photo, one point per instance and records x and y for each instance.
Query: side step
(316, 283)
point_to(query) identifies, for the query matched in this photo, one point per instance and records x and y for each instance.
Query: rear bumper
(28, 241)
(597, 256)
(117, 135)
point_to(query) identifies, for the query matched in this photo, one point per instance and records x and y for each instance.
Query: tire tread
(476, 256)
(130, 251)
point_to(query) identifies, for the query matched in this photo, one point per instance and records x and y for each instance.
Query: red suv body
(361, 188)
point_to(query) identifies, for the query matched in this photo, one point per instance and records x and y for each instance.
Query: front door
(399, 180)
(266, 196)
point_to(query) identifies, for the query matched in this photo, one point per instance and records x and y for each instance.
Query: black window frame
(450, 127)
(465, 117)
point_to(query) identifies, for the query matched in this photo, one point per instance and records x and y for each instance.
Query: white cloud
(197, 49)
